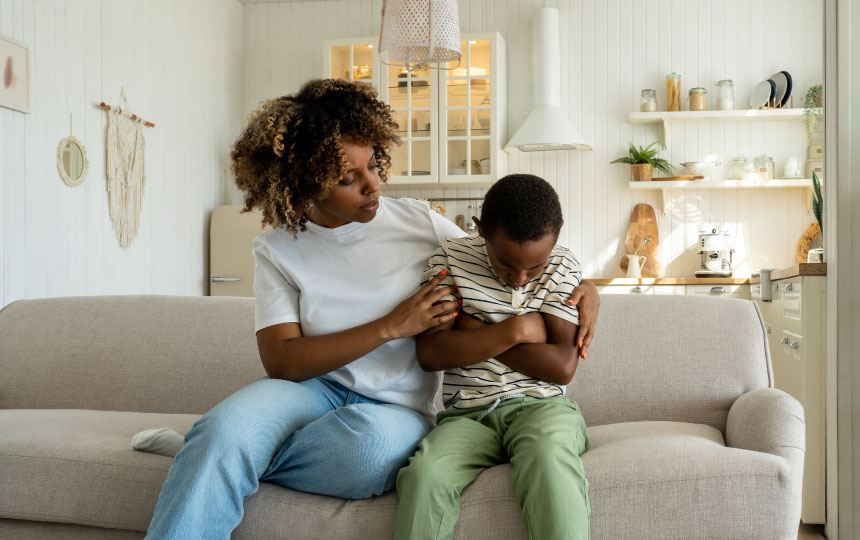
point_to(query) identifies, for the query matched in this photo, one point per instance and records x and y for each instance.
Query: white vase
(634, 265)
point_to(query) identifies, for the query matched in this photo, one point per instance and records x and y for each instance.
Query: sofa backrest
(676, 358)
(673, 358)
(170, 354)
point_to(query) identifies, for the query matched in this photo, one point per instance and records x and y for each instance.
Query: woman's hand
(421, 310)
(586, 298)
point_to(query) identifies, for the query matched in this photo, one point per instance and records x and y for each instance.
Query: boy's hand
(587, 300)
(530, 328)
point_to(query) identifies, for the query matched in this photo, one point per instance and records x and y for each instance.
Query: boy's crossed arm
(537, 345)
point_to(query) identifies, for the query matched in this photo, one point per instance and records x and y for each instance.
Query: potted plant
(644, 160)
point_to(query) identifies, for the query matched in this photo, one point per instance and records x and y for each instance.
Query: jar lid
(725, 82)
(673, 75)
(698, 90)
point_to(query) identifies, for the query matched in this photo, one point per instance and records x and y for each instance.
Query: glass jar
(739, 166)
(648, 100)
(725, 95)
(698, 99)
(673, 92)
(765, 166)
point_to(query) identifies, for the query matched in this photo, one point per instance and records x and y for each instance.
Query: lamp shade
(419, 32)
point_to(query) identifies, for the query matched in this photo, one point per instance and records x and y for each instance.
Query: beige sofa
(689, 440)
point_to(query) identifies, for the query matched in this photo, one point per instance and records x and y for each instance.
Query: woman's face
(356, 196)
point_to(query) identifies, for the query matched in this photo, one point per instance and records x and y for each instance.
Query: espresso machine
(716, 256)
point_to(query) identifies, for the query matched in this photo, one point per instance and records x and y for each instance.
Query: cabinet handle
(784, 341)
(758, 288)
(636, 290)
(774, 287)
(769, 330)
(218, 279)
(718, 289)
(788, 287)
(794, 345)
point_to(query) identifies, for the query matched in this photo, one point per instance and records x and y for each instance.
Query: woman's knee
(392, 434)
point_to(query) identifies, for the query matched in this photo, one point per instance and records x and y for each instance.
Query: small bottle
(648, 100)
(725, 95)
(698, 99)
(673, 92)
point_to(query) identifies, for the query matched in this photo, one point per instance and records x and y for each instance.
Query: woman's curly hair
(290, 153)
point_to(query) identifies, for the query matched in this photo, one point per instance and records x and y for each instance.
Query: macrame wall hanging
(126, 176)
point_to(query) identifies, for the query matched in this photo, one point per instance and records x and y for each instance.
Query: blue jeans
(315, 436)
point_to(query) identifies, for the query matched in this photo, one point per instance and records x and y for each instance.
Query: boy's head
(520, 221)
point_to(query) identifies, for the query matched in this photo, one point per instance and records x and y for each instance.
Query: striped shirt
(489, 299)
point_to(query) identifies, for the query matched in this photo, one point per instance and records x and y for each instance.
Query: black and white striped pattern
(487, 298)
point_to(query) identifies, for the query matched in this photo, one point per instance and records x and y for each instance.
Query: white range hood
(547, 127)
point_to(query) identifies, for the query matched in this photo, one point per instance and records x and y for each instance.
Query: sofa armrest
(771, 421)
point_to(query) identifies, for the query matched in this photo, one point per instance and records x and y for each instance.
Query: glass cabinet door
(413, 98)
(466, 114)
(351, 60)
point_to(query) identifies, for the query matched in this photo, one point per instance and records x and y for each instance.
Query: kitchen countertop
(670, 281)
(802, 269)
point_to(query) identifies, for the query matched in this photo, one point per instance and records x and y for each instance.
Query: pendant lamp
(419, 32)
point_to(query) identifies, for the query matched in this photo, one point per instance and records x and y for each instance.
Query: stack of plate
(774, 92)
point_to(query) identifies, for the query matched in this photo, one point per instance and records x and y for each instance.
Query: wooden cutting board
(643, 222)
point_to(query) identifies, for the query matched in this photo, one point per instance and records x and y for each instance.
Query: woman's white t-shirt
(330, 280)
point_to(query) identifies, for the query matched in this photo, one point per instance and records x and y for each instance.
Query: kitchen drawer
(791, 305)
(716, 291)
(640, 289)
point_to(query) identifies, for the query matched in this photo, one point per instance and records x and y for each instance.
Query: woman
(345, 403)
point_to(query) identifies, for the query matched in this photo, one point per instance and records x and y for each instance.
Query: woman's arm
(287, 354)
(587, 299)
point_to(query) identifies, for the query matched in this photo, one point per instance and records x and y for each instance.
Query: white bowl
(701, 168)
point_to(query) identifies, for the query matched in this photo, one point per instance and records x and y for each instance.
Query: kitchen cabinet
(352, 59)
(640, 289)
(452, 121)
(720, 291)
(795, 324)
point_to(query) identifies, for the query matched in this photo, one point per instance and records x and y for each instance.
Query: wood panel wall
(180, 63)
(610, 50)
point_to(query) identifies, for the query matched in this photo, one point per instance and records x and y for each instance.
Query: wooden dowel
(132, 116)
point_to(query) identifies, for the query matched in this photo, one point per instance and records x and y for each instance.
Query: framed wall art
(14, 75)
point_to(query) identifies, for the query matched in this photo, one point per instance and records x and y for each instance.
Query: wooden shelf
(667, 118)
(703, 116)
(780, 183)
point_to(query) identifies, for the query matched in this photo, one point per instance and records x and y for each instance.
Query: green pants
(542, 439)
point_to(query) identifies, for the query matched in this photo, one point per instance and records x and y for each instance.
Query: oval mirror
(72, 161)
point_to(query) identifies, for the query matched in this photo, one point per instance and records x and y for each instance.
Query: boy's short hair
(524, 206)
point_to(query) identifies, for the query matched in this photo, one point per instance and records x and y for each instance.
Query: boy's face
(517, 263)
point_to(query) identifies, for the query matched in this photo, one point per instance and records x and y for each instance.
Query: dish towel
(126, 151)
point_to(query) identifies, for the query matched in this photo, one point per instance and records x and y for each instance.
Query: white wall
(180, 63)
(610, 51)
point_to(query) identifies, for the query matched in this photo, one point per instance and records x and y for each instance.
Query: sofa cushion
(77, 466)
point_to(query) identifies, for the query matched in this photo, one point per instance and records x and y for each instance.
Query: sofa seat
(77, 466)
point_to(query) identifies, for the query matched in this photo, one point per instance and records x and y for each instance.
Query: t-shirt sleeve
(563, 281)
(445, 228)
(276, 298)
(437, 263)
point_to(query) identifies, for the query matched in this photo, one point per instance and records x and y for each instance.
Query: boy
(506, 362)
